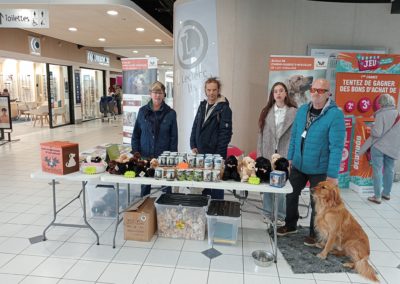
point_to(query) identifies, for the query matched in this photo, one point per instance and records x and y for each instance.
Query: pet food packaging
(191, 161)
(158, 173)
(162, 160)
(179, 159)
(181, 174)
(170, 174)
(218, 163)
(199, 161)
(182, 216)
(166, 153)
(140, 221)
(59, 157)
(189, 174)
(207, 175)
(208, 162)
(171, 160)
(198, 175)
(277, 179)
(216, 175)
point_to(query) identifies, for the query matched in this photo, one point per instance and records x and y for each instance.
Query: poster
(344, 170)
(138, 74)
(5, 114)
(297, 73)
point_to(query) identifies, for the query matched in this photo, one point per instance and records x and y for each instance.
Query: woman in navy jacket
(155, 128)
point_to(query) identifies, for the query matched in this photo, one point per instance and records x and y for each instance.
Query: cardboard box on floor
(140, 221)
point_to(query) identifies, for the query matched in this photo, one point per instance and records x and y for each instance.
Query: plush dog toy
(231, 169)
(282, 164)
(247, 169)
(263, 169)
(151, 166)
(274, 157)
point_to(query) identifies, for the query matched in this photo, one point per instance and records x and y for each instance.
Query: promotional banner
(5, 113)
(344, 171)
(362, 77)
(196, 59)
(297, 73)
(138, 74)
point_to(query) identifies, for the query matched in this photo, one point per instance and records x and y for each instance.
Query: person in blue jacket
(212, 127)
(155, 128)
(315, 152)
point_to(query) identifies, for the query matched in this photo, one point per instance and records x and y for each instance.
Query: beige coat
(266, 143)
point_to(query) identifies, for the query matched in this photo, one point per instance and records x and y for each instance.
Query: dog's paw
(321, 255)
(320, 245)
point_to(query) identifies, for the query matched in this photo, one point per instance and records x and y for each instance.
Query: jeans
(298, 180)
(268, 205)
(146, 189)
(383, 172)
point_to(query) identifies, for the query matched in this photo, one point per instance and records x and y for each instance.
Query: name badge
(304, 134)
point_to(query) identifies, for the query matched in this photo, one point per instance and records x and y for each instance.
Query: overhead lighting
(112, 13)
(140, 29)
(72, 29)
(147, 56)
(158, 40)
(102, 39)
(164, 62)
(135, 51)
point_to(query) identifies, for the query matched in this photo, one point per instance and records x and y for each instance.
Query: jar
(158, 173)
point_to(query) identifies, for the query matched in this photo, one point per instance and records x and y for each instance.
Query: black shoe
(310, 241)
(283, 231)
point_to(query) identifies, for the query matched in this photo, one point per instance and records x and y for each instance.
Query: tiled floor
(71, 256)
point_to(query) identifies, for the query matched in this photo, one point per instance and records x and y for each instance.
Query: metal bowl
(262, 258)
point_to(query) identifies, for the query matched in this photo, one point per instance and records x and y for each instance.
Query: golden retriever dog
(339, 232)
(297, 86)
(247, 169)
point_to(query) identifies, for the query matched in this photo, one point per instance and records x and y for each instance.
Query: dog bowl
(262, 258)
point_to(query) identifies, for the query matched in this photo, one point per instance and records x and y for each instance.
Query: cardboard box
(140, 221)
(59, 157)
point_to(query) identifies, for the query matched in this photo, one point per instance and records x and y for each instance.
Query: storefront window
(59, 95)
(92, 86)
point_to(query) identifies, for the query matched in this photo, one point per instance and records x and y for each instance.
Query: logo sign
(368, 62)
(34, 45)
(24, 18)
(192, 44)
(97, 58)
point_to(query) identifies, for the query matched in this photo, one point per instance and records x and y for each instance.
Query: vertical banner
(138, 74)
(297, 73)
(196, 59)
(78, 95)
(344, 171)
(5, 113)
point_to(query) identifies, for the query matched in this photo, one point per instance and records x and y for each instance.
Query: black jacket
(213, 135)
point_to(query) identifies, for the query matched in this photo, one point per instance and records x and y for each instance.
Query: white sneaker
(280, 223)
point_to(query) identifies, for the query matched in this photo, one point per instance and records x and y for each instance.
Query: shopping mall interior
(56, 77)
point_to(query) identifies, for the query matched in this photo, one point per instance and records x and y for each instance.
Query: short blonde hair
(157, 86)
(386, 100)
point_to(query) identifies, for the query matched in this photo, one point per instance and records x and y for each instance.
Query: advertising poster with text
(344, 171)
(297, 73)
(138, 74)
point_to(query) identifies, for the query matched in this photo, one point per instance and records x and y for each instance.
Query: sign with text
(97, 58)
(24, 18)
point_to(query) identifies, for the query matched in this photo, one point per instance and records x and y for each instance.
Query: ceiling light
(112, 13)
(72, 29)
(102, 39)
(147, 56)
(140, 29)
(158, 40)
(164, 62)
(135, 51)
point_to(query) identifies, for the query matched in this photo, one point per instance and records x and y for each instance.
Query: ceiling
(93, 22)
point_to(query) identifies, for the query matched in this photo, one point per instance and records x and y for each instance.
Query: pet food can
(189, 174)
(162, 160)
(215, 175)
(171, 161)
(170, 174)
(166, 153)
(208, 162)
(198, 175)
(199, 161)
(191, 161)
(179, 159)
(207, 175)
(181, 174)
(158, 173)
(174, 154)
(218, 163)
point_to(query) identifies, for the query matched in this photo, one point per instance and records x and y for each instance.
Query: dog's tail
(365, 269)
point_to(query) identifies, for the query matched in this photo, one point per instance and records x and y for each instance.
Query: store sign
(97, 58)
(24, 18)
(34, 45)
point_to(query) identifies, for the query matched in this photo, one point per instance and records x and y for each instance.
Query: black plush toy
(282, 164)
(263, 169)
(231, 169)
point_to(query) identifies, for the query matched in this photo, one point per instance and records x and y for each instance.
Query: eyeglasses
(157, 93)
(319, 91)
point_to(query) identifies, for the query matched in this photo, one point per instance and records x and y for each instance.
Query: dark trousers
(214, 193)
(146, 188)
(298, 180)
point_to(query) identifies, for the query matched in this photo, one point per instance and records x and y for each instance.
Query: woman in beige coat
(275, 125)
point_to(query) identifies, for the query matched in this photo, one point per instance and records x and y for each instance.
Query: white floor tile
(196, 246)
(39, 280)
(71, 250)
(14, 245)
(338, 277)
(383, 258)
(260, 279)
(100, 253)
(250, 247)
(297, 281)
(154, 275)
(54, 267)
(182, 276)
(193, 260)
(22, 264)
(9, 230)
(45, 248)
(393, 245)
(389, 274)
(69, 281)
(235, 249)
(168, 243)
(5, 257)
(160, 257)
(131, 255)
(10, 278)
(215, 277)
(251, 268)
(86, 270)
(227, 263)
(119, 273)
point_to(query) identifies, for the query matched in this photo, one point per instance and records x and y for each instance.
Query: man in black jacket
(212, 127)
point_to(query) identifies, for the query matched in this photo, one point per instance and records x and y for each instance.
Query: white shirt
(279, 118)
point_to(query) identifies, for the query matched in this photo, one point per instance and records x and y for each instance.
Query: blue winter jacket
(155, 131)
(320, 152)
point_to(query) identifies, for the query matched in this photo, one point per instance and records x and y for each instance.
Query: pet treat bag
(59, 157)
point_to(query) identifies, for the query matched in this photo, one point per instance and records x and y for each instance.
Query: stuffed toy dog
(231, 169)
(151, 166)
(282, 164)
(263, 169)
(247, 169)
(274, 157)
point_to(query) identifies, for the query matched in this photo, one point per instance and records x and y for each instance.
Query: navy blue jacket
(213, 135)
(155, 131)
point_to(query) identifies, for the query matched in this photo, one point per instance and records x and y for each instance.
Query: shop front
(92, 89)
